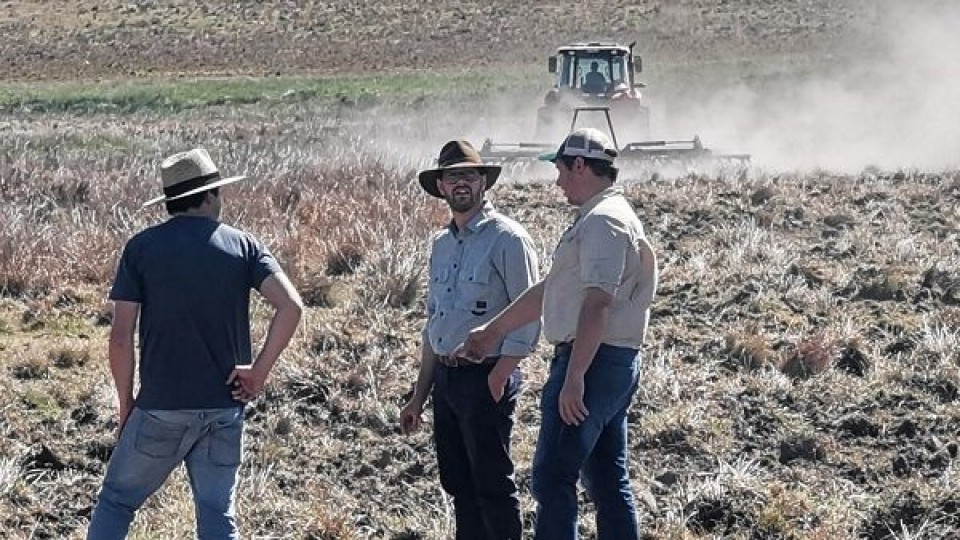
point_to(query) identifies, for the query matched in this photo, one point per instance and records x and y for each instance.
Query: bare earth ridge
(61, 40)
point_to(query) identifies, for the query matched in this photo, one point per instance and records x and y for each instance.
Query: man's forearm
(591, 323)
(120, 351)
(282, 327)
(525, 309)
(506, 365)
(424, 384)
(120, 354)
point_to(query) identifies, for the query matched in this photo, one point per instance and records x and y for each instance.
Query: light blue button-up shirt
(475, 272)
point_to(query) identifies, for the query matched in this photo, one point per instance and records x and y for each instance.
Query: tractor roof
(593, 46)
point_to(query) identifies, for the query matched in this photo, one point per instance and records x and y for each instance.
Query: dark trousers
(472, 435)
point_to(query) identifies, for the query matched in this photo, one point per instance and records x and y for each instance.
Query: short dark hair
(598, 166)
(177, 206)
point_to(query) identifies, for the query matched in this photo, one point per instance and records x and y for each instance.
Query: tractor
(594, 74)
(595, 87)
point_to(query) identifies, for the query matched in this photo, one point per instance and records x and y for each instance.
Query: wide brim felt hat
(188, 173)
(457, 154)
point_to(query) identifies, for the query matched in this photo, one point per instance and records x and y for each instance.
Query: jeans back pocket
(226, 440)
(157, 438)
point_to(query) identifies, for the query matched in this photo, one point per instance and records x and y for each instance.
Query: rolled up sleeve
(519, 268)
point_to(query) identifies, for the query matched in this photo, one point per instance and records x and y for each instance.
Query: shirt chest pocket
(438, 287)
(473, 287)
(567, 255)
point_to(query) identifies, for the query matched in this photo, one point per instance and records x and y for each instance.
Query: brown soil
(63, 40)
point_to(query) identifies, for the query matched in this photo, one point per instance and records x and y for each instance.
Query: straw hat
(189, 173)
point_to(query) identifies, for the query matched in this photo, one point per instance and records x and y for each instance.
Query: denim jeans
(472, 435)
(597, 448)
(152, 444)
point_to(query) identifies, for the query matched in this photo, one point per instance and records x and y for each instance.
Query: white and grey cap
(589, 143)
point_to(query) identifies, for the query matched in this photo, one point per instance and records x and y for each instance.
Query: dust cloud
(411, 139)
(887, 97)
(894, 105)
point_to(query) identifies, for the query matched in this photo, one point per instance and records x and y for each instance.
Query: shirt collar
(592, 202)
(478, 221)
(190, 217)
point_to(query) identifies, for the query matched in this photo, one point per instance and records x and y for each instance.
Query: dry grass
(796, 384)
(802, 374)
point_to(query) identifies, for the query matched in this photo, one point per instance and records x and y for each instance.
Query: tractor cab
(594, 74)
(595, 69)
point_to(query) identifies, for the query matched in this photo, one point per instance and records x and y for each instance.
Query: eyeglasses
(454, 177)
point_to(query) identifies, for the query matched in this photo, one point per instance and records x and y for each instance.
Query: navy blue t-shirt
(192, 277)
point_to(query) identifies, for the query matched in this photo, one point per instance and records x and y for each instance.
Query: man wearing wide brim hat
(454, 155)
(189, 173)
(187, 281)
(479, 263)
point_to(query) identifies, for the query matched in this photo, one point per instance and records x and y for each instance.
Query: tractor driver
(594, 82)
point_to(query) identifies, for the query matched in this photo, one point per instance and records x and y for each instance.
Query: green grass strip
(177, 95)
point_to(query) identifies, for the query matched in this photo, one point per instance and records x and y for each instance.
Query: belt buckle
(449, 361)
(455, 362)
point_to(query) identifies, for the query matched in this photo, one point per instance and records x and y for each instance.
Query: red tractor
(598, 79)
(594, 74)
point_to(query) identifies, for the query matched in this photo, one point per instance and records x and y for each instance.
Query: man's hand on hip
(247, 383)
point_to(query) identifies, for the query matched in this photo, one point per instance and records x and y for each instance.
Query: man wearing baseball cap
(188, 280)
(594, 303)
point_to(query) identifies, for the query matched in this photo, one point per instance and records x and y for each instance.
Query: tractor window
(593, 73)
(618, 70)
(565, 75)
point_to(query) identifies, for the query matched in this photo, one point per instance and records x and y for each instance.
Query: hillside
(63, 40)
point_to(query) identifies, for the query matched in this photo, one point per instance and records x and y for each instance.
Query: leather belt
(454, 362)
(564, 347)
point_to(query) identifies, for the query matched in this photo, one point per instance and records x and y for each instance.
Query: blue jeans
(472, 435)
(153, 443)
(597, 448)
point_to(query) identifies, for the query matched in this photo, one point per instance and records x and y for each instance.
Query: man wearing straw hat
(188, 281)
(479, 263)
